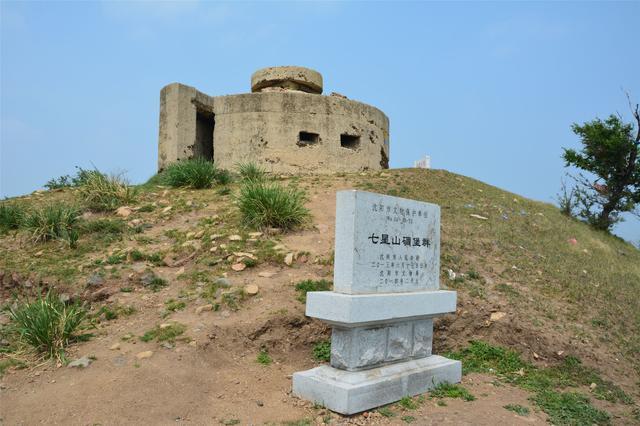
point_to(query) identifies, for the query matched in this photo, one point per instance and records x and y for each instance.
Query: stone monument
(386, 294)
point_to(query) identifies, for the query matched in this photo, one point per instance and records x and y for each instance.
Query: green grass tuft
(265, 204)
(47, 324)
(11, 216)
(569, 408)
(103, 193)
(447, 390)
(518, 409)
(251, 172)
(197, 173)
(167, 334)
(311, 285)
(56, 221)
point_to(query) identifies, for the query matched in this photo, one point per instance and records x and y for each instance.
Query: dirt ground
(214, 378)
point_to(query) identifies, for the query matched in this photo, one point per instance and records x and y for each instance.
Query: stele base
(350, 392)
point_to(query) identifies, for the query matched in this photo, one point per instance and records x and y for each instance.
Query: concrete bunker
(285, 125)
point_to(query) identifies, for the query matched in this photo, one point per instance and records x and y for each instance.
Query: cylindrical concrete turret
(286, 78)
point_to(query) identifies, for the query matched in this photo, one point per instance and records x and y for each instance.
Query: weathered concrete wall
(265, 128)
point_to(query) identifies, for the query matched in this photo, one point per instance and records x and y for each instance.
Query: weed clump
(264, 358)
(103, 193)
(196, 173)
(57, 221)
(447, 390)
(11, 216)
(311, 285)
(67, 181)
(48, 325)
(264, 204)
(322, 351)
(164, 334)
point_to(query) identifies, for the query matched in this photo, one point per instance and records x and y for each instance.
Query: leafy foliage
(611, 153)
(265, 204)
(47, 324)
(322, 351)
(197, 173)
(57, 221)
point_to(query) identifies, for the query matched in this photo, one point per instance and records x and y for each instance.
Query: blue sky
(489, 90)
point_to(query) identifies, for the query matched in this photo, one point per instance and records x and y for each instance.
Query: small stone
(222, 282)
(451, 274)
(215, 236)
(64, 298)
(238, 266)
(123, 211)
(593, 386)
(147, 278)
(497, 316)
(136, 222)
(279, 247)
(167, 345)
(204, 308)
(251, 289)
(190, 235)
(536, 356)
(235, 238)
(255, 234)
(266, 274)
(199, 234)
(165, 325)
(80, 363)
(242, 254)
(213, 249)
(114, 347)
(193, 343)
(95, 280)
(166, 209)
(38, 254)
(144, 355)
(288, 259)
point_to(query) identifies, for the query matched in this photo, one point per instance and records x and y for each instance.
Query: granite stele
(386, 293)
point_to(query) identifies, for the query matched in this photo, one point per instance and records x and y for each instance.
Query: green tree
(611, 154)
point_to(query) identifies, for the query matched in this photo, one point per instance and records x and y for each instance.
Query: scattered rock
(242, 254)
(235, 238)
(593, 386)
(251, 289)
(266, 274)
(38, 254)
(114, 347)
(238, 266)
(167, 209)
(167, 345)
(147, 278)
(165, 325)
(190, 235)
(95, 280)
(136, 222)
(279, 247)
(213, 249)
(168, 260)
(80, 362)
(199, 234)
(497, 316)
(144, 355)
(204, 308)
(123, 211)
(451, 274)
(102, 294)
(64, 298)
(255, 234)
(215, 236)
(288, 259)
(223, 282)
(572, 241)
(477, 216)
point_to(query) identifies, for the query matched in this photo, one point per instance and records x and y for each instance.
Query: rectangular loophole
(308, 138)
(349, 141)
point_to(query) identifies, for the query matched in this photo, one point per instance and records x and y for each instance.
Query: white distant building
(423, 163)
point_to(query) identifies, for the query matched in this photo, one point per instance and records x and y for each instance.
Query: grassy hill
(558, 300)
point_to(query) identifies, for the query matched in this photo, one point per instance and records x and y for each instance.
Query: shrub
(251, 171)
(56, 221)
(11, 216)
(310, 285)
(264, 358)
(47, 324)
(67, 181)
(272, 205)
(196, 173)
(105, 193)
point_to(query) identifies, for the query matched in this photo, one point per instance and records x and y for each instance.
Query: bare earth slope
(527, 277)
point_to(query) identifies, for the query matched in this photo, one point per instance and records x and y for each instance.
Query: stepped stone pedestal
(386, 294)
